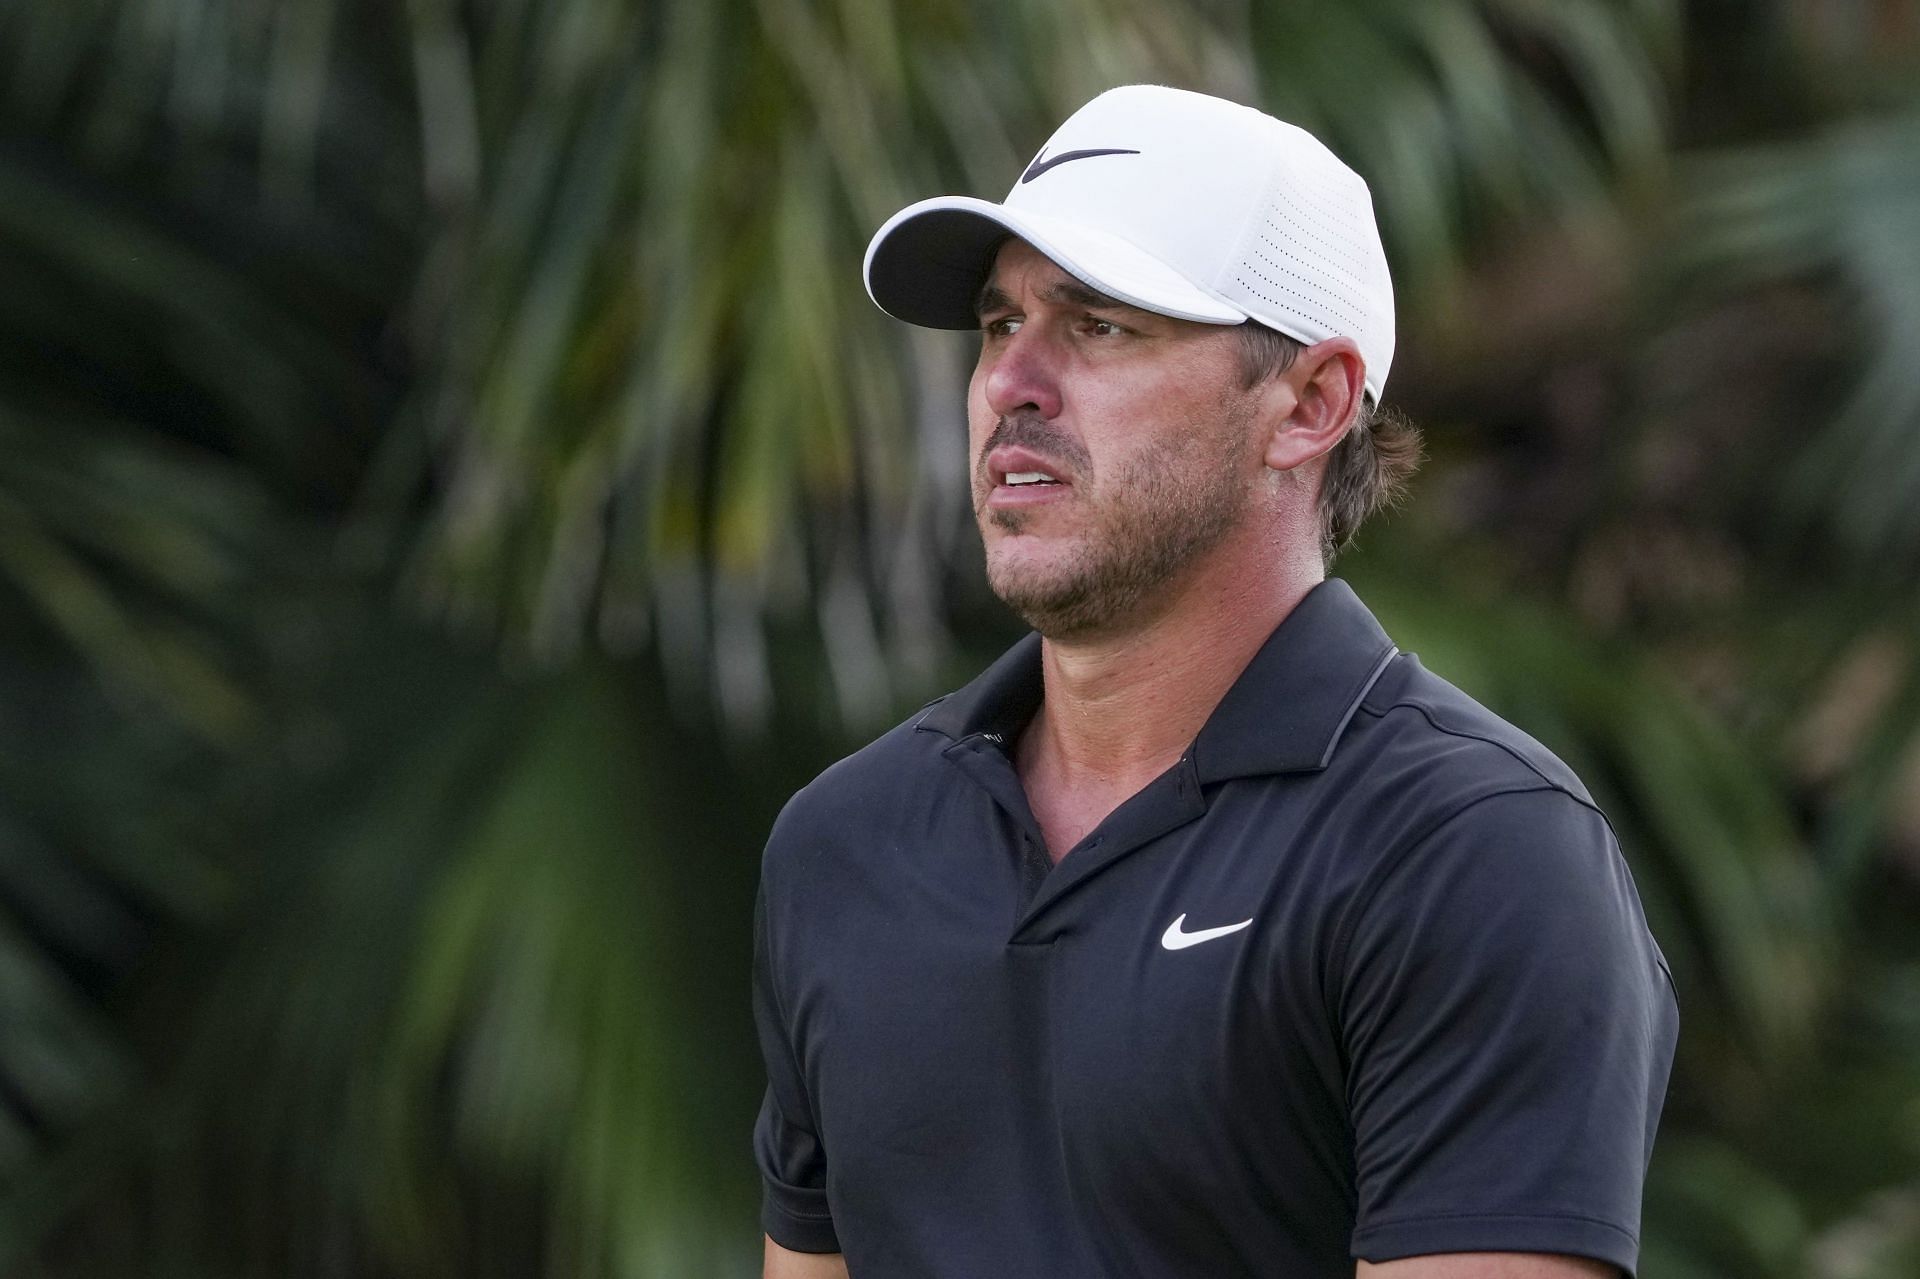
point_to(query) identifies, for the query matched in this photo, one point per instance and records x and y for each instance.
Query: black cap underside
(930, 269)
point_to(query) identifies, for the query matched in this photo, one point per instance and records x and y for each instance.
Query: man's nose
(1025, 376)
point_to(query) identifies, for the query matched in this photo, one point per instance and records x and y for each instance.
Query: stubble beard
(1153, 517)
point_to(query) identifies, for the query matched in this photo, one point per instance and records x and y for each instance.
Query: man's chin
(1061, 606)
(1027, 568)
(1027, 560)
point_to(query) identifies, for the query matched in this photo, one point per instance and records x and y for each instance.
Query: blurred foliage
(454, 489)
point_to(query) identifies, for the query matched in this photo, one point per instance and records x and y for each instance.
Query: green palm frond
(768, 260)
(545, 318)
(1842, 206)
(1471, 116)
(656, 405)
(502, 971)
(101, 853)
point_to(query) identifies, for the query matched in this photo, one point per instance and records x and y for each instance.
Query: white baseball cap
(1175, 202)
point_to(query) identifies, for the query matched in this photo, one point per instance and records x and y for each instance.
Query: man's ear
(1327, 381)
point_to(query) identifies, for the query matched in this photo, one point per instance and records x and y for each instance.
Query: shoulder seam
(1426, 713)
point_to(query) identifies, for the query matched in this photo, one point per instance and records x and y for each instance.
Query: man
(1205, 934)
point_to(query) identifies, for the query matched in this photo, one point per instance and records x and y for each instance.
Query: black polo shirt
(1362, 975)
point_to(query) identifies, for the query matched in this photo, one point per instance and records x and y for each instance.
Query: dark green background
(453, 487)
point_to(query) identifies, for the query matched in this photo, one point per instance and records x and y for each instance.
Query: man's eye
(1002, 327)
(1102, 328)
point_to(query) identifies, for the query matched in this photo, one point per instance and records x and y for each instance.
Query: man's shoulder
(1471, 814)
(1422, 723)
(881, 778)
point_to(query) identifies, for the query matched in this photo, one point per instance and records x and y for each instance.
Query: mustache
(1030, 430)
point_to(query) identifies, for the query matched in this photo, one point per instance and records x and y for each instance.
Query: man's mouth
(1015, 466)
(1017, 478)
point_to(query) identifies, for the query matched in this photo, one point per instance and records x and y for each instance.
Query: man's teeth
(1029, 477)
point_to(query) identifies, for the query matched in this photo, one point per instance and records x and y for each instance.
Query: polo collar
(998, 702)
(1285, 713)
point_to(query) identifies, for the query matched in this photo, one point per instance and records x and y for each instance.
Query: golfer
(1205, 933)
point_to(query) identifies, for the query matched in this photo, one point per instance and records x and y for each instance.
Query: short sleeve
(1509, 1025)
(786, 1144)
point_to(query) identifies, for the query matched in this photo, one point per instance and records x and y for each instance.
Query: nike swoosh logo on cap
(1041, 164)
(1177, 939)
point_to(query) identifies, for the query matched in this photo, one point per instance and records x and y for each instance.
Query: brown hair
(1370, 466)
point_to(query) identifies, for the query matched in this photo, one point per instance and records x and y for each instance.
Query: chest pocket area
(1165, 1056)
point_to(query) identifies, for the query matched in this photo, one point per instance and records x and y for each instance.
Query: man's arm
(782, 1263)
(786, 1143)
(1485, 1265)
(1510, 1026)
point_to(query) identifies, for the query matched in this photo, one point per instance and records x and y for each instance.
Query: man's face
(1113, 448)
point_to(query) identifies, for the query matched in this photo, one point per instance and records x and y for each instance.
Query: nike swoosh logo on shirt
(1041, 164)
(1177, 939)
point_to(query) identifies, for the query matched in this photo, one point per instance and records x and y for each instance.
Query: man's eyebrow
(991, 298)
(1080, 295)
(1072, 292)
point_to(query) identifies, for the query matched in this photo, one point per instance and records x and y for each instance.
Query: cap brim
(929, 262)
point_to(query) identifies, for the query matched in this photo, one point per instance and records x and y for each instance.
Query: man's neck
(1121, 709)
